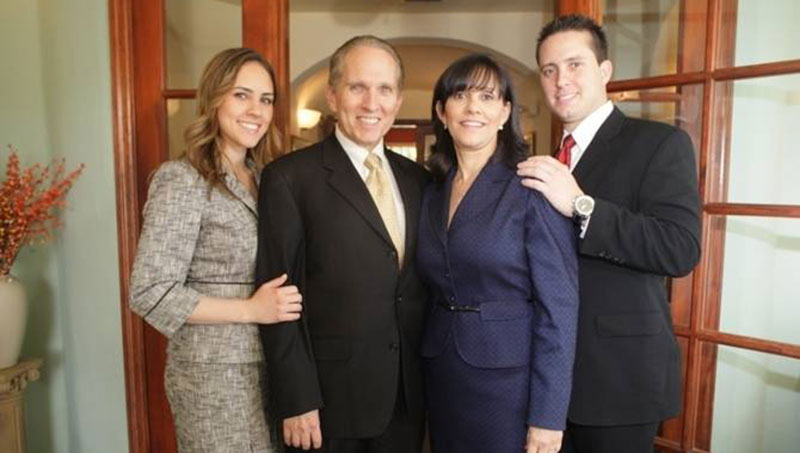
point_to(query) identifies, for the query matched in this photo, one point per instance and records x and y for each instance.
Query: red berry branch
(29, 202)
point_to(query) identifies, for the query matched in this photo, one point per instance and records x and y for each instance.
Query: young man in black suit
(631, 186)
(340, 217)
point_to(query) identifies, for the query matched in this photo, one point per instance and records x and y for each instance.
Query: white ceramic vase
(13, 310)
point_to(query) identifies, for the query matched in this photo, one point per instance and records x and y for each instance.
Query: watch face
(584, 205)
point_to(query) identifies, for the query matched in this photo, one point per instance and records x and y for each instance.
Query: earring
(445, 126)
(500, 128)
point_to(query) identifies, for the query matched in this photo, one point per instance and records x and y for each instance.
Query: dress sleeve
(171, 225)
(551, 248)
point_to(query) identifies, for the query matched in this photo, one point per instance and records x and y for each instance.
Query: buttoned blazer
(645, 227)
(512, 259)
(195, 241)
(362, 316)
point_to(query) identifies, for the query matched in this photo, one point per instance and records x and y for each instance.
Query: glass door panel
(756, 402)
(180, 112)
(644, 38)
(765, 31)
(195, 31)
(764, 160)
(758, 296)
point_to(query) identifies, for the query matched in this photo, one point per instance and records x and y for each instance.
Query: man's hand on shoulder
(553, 179)
(303, 431)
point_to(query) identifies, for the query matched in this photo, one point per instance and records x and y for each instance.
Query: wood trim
(757, 70)
(265, 27)
(189, 93)
(661, 81)
(645, 96)
(590, 8)
(755, 210)
(694, 384)
(750, 343)
(122, 110)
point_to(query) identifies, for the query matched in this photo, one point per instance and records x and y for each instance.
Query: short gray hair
(337, 60)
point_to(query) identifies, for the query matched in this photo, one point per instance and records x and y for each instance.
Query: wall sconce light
(308, 118)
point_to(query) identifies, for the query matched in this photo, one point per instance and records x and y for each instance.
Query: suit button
(399, 299)
(452, 298)
(447, 275)
(394, 347)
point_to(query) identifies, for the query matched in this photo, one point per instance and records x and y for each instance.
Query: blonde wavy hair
(202, 136)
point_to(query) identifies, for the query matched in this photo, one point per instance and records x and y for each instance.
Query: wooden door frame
(138, 124)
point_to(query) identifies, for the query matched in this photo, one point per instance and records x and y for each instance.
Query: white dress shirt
(583, 135)
(586, 130)
(358, 155)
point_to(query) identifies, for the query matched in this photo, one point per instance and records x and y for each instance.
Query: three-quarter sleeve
(170, 229)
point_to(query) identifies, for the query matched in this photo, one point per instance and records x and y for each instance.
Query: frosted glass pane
(756, 403)
(644, 37)
(763, 150)
(180, 112)
(195, 31)
(759, 296)
(766, 31)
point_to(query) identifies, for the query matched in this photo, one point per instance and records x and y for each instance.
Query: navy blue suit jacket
(508, 252)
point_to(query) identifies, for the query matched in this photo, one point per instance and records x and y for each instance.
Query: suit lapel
(345, 180)
(600, 147)
(240, 193)
(437, 208)
(481, 196)
(411, 196)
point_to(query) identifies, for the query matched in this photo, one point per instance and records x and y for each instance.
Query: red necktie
(564, 154)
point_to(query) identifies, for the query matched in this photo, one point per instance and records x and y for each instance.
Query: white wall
(314, 36)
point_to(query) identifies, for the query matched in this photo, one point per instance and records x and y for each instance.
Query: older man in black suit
(632, 187)
(340, 217)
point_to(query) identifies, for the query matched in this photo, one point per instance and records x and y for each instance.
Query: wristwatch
(582, 207)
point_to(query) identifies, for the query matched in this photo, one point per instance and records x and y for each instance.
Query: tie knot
(372, 161)
(569, 142)
(564, 154)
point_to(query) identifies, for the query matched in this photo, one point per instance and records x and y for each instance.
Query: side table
(12, 410)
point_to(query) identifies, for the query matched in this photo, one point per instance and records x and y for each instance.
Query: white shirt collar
(357, 153)
(587, 129)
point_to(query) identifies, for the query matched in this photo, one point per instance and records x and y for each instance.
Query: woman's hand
(274, 303)
(542, 440)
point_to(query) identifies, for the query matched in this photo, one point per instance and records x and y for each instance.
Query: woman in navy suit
(501, 266)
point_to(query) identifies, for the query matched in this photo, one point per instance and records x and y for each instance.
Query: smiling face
(573, 81)
(473, 117)
(367, 97)
(246, 110)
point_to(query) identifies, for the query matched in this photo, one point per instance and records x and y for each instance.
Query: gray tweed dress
(199, 242)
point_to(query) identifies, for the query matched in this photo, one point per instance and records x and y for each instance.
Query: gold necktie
(380, 188)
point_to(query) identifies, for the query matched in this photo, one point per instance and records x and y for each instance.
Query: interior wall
(314, 36)
(57, 102)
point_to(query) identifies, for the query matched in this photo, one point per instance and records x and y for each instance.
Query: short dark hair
(475, 71)
(576, 22)
(337, 60)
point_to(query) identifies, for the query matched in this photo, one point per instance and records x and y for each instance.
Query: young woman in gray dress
(193, 275)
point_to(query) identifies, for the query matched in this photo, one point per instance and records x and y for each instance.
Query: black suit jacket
(645, 226)
(359, 335)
